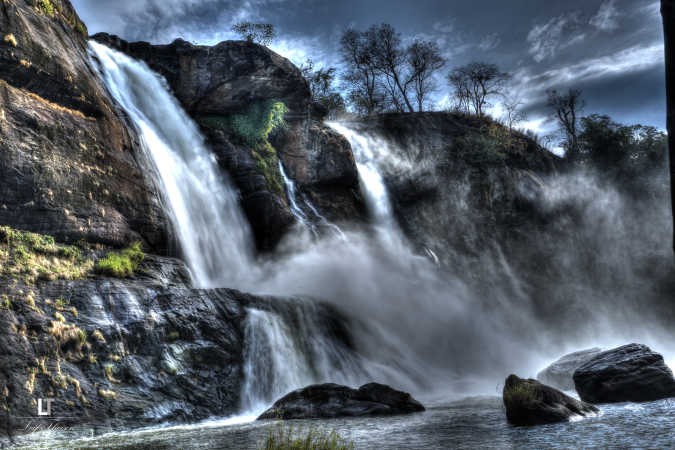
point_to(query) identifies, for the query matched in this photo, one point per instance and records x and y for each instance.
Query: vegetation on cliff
(121, 264)
(32, 257)
(252, 128)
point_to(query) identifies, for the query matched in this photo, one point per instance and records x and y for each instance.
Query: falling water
(214, 236)
(303, 219)
(295, 209)
(410, 325)
(370, 175)
(285, 347)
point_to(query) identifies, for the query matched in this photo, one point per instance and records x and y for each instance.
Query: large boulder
(68, 158)
(631, 373)
(528, 402)
(216, 83)
(333, 400)
(559, 373)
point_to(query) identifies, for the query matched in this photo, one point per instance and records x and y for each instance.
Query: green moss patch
(252, 128)
(32, 257)
(121, 264)
(46, 7)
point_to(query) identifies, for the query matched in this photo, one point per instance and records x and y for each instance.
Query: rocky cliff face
(227, 89)
(457, 182)
(67, 157)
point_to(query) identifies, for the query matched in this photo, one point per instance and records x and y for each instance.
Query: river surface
(473, 422)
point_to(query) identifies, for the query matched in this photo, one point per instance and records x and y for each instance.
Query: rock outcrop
(457, 172)
(559, 373)
(631, 373)
(134, 352)
(528, 402)
(242, 79)
(122, 352)
(330, 400)
(68, 159)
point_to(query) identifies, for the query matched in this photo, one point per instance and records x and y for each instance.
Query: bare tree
(424, 60)
(475, 83)
(361, 76)
(566, 109)
(513, 114)
(382, 74)
(260, 33)
(390, 59)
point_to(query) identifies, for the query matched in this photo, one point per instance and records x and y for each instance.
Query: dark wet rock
(631, 373)
(68, 165)
(559, 373)
(212, 83)
(333, 400)
(528, 402)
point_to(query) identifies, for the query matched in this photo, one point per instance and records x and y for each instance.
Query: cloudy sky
(612, 49)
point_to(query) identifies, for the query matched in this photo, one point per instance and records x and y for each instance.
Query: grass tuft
(286, 438)
(32, 257)
(121, 264)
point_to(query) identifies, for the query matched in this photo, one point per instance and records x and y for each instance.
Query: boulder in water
(528, 402)
(631, 373)
(331, 400)
(559, 373)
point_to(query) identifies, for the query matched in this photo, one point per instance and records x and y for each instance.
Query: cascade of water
(410, 326)
(372, 183)
(215, 237)
(290, 193)
(279, 357)
(203, 206)
(299, 213)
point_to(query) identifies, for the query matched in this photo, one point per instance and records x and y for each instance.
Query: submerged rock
(631, 373)
(559, 374)
(333, 400)
(528, 402)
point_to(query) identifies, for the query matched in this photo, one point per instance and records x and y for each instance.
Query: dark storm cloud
(612, 49)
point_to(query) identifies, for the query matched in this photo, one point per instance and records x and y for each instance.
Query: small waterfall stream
(305, 221)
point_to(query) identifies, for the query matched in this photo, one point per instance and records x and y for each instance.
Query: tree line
(381, 74)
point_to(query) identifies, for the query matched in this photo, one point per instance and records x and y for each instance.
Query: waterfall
(292, 345)
(286, 347)
(295, 209)
(214, 236)
(370, 175)
(409, 325)
(300, 214)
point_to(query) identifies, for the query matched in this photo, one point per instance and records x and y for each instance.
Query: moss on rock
(121, 264)
(32, 257)
(252, 128)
